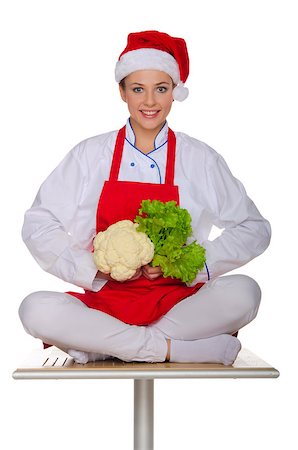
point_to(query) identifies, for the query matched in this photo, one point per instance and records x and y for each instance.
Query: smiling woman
(103, 180)
(149, 98)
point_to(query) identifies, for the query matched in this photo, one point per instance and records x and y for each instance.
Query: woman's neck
(144, 138)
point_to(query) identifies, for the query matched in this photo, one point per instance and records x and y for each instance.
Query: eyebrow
(156, 84)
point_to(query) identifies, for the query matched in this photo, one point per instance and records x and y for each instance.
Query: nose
(150, 98)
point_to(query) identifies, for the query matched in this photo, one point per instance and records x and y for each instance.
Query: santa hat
(152, 50)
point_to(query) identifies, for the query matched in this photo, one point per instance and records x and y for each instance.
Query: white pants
(223, 305)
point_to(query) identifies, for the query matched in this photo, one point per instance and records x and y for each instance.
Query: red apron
(141, 301)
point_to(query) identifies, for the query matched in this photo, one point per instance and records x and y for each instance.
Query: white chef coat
(60, 226)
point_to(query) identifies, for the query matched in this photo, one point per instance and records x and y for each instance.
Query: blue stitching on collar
(155, 148)
(158, 135)
(145, 154)
(132, 131)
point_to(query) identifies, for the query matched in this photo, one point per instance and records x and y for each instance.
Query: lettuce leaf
(168, 226)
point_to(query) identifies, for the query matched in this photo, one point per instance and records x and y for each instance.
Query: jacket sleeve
(47, 223)
(246, 233)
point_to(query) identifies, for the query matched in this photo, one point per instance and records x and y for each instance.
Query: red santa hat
(152, 50)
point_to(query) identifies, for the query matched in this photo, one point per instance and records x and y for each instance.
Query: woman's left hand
(151, 273)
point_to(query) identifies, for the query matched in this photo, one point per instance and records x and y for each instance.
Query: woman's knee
(248, 295)
(28, 310)
(34, 310)
(237, 296)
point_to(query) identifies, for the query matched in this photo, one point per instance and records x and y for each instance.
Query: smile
(150, 114)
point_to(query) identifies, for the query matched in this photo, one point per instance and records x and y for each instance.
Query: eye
(162, 89)
(137, 89)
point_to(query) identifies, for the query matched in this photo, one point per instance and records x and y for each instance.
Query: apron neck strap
(170, 169)
(117, 156)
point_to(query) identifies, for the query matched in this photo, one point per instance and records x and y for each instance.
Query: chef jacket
(60, 226)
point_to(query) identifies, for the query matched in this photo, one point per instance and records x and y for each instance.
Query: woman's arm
(246, 233)
(47, 224)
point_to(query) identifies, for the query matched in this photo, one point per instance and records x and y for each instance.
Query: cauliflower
(120, 250)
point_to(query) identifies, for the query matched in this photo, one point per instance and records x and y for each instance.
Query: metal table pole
(143, 414)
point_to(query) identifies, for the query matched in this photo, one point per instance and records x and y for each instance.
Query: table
(53, 363)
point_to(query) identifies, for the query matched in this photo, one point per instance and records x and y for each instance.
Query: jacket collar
(159, 140)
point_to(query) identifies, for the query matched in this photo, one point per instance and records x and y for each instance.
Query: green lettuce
(168, 226)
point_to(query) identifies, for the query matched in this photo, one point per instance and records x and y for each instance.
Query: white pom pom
(180, 92)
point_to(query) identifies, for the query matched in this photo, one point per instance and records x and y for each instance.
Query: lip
(151, 114)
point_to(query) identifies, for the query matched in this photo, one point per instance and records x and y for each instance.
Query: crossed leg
(221, 307)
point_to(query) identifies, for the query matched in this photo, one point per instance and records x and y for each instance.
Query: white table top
(53, 363)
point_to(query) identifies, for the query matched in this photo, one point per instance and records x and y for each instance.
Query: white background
(58, 88)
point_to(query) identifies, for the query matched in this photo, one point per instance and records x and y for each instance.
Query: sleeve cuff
(86, 272)
(97, 284)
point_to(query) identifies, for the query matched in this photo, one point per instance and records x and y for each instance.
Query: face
(148, 94)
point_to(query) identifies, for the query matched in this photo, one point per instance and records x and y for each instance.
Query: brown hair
(122, 83)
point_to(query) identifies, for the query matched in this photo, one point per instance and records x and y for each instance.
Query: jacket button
(152, 166)
(132, 164)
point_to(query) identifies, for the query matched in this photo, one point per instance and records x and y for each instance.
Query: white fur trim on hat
(147, 59)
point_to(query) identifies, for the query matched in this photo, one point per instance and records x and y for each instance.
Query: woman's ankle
(169, 350)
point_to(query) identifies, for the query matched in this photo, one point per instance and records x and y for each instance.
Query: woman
(103, 180)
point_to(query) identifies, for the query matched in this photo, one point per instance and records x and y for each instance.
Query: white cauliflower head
(120, 250)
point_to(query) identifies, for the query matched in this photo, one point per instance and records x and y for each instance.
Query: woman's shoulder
(91, 151)
(97, 142)
(188, 145)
